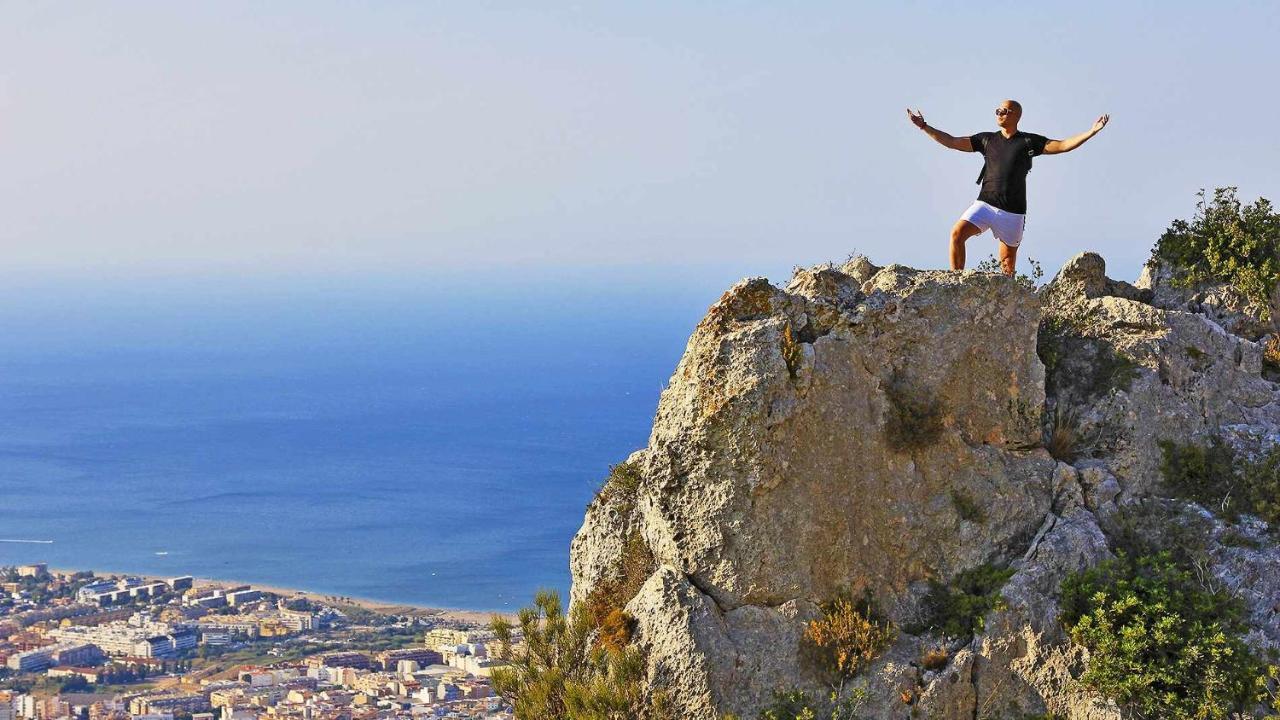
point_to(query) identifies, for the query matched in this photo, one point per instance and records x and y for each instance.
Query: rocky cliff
(879, 432)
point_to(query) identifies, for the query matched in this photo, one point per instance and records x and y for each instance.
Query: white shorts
(1006, 226)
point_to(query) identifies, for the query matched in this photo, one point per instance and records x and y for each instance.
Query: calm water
(397, 441)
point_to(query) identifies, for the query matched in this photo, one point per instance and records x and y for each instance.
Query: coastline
(382, 607)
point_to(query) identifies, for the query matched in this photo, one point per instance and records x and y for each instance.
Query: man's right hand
(917, 118)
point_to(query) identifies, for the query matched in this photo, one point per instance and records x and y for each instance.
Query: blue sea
(405, 439)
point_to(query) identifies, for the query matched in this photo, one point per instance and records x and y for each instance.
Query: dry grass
(1271, 357)
(605, 603)
(847, 638)
(935, 658)
(1063, 437)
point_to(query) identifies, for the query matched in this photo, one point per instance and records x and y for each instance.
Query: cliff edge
(881, 432)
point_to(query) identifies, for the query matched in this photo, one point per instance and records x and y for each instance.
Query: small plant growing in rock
(914, 418)
(957, 609)
(797, 705)
(1031, 281)
(792, 353)
(935, 658)
(1218, 478)
(1271, 358)
(621, 488)
(605, 603)
(848, 636)
(1226, 242)
(1063, 436)
(1160, 644)
(967, 507)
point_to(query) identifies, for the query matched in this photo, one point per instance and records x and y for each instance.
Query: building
(32, 660)
(341, 659)
(170, 703)
(90, 675)
(423, 656)
(156, 646)
(34, 570)
(183, 640)
(178, 584)
(297, 620)
(141, 637)
(447, 636)
(77, 654)
(240, 597)
(89, 593)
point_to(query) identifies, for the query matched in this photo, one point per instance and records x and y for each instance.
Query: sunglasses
(1003, 111)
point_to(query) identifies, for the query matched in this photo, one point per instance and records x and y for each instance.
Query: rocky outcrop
(1139, 374)
(869, 430)
(1223, 304)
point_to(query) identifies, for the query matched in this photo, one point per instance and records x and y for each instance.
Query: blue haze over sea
(402, 440)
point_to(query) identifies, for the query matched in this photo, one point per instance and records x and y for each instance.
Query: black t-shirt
(1004, 181)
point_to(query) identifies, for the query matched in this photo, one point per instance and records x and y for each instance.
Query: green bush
(1160, 645)
(1261, 480)
(1203, 474)
(1225, 242)
(622, 488)
(914, 419)
(796, 705)
(1218, 478)
(559, 673)
(957, 609)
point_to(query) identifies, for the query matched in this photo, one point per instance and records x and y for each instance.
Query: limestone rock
(771, 481)
(1219, 302)
(1137, 374)
(867, 429)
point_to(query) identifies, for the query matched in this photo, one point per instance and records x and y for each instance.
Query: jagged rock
(1247, 563)
(860, 268)
(771, 477)
(1137, 374)
(1086, 275)
(871, 429)
(1219, 302)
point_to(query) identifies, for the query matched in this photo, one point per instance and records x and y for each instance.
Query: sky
(162, 142)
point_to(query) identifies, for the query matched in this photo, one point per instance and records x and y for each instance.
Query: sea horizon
(396, 444)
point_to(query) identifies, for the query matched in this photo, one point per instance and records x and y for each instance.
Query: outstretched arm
(955, 143)
(1060, 146)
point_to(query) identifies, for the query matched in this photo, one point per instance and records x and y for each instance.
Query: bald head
(1008, 114)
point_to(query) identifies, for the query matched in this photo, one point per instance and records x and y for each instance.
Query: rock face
(1223, 304)
(869, 430)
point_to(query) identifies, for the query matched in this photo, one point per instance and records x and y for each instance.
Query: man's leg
(1008, 259)
(963, 230)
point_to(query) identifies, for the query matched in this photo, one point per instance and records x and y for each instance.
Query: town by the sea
(407, 440)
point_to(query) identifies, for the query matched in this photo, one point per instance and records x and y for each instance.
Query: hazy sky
(152, 139)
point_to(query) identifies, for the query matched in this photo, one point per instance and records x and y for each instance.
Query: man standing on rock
(1002, 202)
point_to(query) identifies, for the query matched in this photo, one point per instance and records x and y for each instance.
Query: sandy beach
(458, 615)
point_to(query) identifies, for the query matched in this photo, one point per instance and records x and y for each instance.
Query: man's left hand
(1101, 123)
